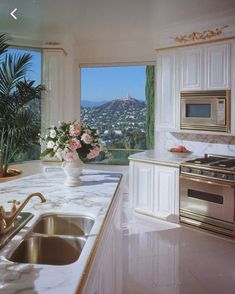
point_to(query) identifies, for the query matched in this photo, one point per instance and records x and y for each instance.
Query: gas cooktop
(211, 166)
(226, 162)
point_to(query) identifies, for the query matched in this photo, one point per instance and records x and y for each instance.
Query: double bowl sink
(55, 239)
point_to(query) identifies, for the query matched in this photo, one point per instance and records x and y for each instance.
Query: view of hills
(91, 104)
(121, 122)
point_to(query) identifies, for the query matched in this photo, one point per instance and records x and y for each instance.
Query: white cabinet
(105, 274)
(142, 187)
(155, 189)
(191, 61)
(205, 67)
(166, 187)
(218, 66)
(166, 98)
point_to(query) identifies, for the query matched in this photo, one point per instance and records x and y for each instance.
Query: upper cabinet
(191, 68)
(217, 66)
(191, 64)
(166, 90)
(205, 67)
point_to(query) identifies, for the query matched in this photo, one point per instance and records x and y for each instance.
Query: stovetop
(211, 166)
(213, 161)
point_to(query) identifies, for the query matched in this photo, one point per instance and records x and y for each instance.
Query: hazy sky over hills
(108, 83)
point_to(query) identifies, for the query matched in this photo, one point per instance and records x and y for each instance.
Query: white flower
(86, 138)
(53, 134)
(50, 145)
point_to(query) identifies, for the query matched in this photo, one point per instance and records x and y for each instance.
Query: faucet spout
(10, 219)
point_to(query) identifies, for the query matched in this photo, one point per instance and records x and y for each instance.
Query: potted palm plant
(19, 123)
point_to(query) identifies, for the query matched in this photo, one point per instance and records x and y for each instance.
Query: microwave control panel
(221, 111)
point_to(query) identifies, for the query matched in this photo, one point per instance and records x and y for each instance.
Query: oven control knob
(199, 172)
(224, 176)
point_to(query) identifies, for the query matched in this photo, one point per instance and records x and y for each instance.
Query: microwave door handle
(210, 182)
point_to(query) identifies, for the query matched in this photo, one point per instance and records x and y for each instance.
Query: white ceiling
(87, 20)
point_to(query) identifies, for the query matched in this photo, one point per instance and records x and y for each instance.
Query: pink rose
(74, 144)
(75, 129)
(86, 138)
(70, 156)
(93, 154)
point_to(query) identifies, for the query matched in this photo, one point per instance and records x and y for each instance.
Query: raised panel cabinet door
(143, 187)
(166, 98)
(218, 66)
(191, 69)
(166, 192)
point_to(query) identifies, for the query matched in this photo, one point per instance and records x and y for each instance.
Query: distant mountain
(121, 104)
(91, 104)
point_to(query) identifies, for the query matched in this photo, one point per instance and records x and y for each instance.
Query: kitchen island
(94, 197)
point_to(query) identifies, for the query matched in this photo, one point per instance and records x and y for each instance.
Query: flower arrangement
(70, 141)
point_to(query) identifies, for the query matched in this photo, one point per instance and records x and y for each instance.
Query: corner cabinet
(154, 189)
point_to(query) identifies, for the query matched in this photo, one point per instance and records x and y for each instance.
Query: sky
(35, 69)
(100, 83)
(108, 83)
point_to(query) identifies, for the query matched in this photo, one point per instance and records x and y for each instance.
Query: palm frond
(3, 43)
(12, 70)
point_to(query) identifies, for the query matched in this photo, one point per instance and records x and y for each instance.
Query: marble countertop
(92, 197)
(162, 157)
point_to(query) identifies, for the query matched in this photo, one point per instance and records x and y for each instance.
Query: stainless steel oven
(205, 110)
(207, 194)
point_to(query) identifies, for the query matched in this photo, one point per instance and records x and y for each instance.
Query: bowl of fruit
(180, 149)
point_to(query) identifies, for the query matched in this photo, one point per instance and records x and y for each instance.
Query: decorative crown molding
(195, 36)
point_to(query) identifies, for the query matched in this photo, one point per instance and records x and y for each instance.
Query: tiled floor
(165, 258)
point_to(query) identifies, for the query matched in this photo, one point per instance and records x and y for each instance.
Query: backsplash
(199, 144)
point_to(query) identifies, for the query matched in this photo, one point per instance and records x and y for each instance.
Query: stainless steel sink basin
(58, 224)
(48, 250)
(18, 224)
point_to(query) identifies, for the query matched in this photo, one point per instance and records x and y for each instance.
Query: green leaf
(45, 153)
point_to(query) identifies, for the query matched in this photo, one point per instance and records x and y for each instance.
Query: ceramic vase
(73, 170)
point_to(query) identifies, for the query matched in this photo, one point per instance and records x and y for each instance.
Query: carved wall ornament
(200, 36)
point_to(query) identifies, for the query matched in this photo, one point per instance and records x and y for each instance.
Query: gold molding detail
(195, 44)
(195, 36)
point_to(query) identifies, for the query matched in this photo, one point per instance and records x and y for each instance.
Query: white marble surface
(162, 157)
(198, 143)
(92, 197)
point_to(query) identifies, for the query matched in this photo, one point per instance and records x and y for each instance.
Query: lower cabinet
(154, 189)
(105, 274)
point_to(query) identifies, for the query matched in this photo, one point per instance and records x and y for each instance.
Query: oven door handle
(210, 182)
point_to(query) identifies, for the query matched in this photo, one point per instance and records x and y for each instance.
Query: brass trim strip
(195, 44)
(210, 93)
(98, 240)
(205, 226)
(38, 48)
(176, 165)
(210, 182)
(206, 168)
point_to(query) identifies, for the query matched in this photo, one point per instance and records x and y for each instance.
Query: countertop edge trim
(98, 240)
(156, 162)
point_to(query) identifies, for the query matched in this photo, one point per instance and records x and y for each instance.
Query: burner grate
(205, 160)
(225, 163)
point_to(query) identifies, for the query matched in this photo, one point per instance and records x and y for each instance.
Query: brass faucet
(6, 222)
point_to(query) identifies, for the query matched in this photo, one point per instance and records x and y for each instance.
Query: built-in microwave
(205, 110)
